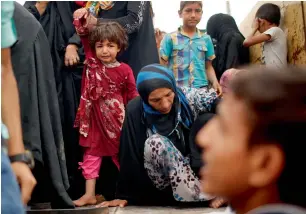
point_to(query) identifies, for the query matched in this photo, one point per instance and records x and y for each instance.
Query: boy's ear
(179, 13)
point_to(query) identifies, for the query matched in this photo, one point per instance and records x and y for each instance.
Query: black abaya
(57, 24)
(42, 130)
(229, 49)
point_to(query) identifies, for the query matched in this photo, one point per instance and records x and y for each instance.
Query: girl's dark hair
(269, 12)
(184, 3)
(111, 31)
(276, 100)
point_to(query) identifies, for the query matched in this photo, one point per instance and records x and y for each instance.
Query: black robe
(57, 24)
(135, 17)
(40, 117)
(134, 185)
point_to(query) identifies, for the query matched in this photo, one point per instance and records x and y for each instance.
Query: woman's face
(161, 100)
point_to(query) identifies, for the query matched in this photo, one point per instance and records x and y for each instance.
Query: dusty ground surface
(161, 210)
(131, 210)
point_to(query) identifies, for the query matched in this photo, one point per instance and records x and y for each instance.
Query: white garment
(228, 210)
(278, 208)
(275, 50)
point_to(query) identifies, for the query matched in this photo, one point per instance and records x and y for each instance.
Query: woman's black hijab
(229, 49)
(220, 24)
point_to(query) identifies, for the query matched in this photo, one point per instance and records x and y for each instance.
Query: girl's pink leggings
(91, 165)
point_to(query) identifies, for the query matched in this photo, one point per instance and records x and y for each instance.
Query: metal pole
(228, 7)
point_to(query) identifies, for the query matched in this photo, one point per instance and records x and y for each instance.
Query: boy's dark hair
(184, 3)
(276, 100)
(269, 12)
(111, 31)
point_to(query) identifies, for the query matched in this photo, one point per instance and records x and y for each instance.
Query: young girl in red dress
(107, 87)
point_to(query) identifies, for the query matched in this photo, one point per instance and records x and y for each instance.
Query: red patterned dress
(106, 90)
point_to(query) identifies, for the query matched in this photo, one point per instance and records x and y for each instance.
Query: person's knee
(155, 144)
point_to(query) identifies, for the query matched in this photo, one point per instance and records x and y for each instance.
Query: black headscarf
(220, 24)
(229, 49)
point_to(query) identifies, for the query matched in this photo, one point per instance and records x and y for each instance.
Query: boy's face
(191, 15)
(261, 24)
(231, 166)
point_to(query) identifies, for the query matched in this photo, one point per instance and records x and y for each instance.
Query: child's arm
(253, 39)
(165, 50)
(131, 91)
(80, 29)
(210, 72)
(211, 76)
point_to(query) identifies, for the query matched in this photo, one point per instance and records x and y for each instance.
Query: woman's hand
(113, 203)
(80, 13)
(41, 6)
(71, 55)
(91, 22)
(84, 21)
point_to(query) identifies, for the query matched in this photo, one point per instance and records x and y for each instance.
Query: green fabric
(8, 30)
(8, 38)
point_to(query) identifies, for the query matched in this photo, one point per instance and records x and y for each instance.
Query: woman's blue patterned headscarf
(154, 76)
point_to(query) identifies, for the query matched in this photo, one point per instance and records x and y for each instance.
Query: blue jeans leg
(10, 193)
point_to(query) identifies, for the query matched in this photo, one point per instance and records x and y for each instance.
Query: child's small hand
(158, 37)
(255, 24)
(217, 88)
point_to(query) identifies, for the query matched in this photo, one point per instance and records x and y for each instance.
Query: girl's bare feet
(217, 202)
(85, 200)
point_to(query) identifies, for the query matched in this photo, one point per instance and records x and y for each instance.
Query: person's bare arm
(253, 39)
(211, 76)
(10, 104)
(256, 39)
(11, 118)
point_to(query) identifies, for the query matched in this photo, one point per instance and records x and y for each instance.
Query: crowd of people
(177, 117)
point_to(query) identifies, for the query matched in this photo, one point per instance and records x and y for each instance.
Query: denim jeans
(10, 193)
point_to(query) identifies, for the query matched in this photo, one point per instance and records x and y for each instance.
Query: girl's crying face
(107, 51)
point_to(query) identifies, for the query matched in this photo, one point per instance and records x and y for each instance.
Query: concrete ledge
(85, 210)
